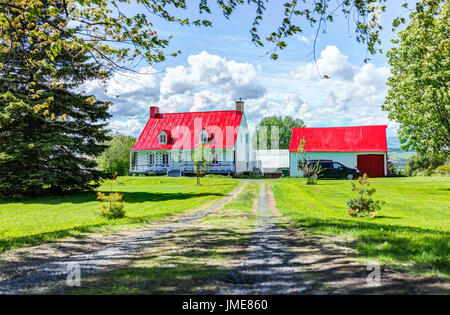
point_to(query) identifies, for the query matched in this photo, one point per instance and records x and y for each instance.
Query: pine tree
(53, 150)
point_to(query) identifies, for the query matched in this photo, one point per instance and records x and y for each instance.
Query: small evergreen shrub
(364, 205)
(112, 206)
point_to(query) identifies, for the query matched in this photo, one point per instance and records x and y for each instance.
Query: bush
(312, 172)
(421, 164)
(443, 169)
(112, 206)
(116, 157)
(364, 205)
(393, 171)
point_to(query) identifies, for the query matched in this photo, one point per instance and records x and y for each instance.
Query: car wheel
(350, 176)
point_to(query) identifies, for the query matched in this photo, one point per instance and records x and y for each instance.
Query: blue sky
(220, 64)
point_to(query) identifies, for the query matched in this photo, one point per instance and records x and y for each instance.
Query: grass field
(147, 199)
(412, 229)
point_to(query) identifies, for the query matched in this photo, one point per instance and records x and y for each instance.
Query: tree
(310, 170)
(38, 153)
(116, 158)
(202, 158)
(282, 131)
(418, 97)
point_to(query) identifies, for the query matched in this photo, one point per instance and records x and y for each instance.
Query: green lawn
(412, 229)
(147, 199)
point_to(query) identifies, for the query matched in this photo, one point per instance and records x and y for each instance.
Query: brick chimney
(154, 111)
(240, 106)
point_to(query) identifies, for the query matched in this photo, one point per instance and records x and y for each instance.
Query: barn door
(371, 164)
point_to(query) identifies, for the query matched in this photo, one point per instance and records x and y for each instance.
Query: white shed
(273, 161)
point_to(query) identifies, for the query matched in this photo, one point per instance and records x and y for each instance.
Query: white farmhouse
(167, 143)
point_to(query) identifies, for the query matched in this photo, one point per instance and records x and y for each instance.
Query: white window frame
(162, 137)
(150, 159)
(162, 158)
(203, 136)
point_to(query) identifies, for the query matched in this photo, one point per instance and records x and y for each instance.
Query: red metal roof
(341, 139)
(185, 129)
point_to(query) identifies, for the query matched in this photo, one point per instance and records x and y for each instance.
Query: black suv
(333, 169)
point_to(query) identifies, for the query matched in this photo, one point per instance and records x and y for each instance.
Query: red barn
(361, 147)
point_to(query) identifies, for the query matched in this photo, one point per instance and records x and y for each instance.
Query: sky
(219, 65)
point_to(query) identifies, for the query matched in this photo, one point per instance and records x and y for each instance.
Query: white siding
(243, 147)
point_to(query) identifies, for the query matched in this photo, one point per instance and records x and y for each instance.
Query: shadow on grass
(387, 217)
(186, 262)
(129, 197)
(198, 262)
(137, 197)
(426, 250)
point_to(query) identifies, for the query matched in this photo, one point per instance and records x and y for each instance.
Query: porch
(182, 168)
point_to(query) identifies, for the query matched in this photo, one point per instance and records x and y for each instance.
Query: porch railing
(186, 167)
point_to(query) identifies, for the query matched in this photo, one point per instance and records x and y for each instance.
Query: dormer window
(203, 136)
(162, 137)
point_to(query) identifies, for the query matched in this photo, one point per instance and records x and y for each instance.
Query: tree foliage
(38, 153)
(116, 158)
(281, 128)
(418, 97)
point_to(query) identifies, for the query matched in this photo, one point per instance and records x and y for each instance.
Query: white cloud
(129, 126)
(206, 70)
(302, 38)
(331, 63)
(352, 96)
(207, 82)
(130, 94)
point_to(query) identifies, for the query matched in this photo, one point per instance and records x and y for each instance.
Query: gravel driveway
(37, 278)
(268, 267)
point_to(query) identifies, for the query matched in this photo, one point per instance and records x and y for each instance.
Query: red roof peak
(185, 127)
(205, 111)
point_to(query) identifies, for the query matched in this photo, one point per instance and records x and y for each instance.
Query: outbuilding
(274, 163)
(361, 147)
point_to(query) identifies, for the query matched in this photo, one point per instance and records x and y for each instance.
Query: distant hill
(397, 153)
